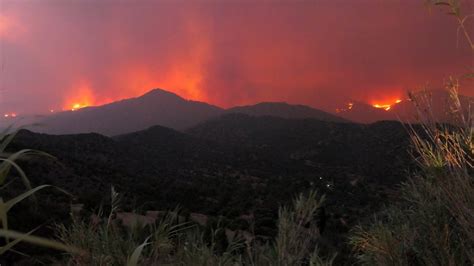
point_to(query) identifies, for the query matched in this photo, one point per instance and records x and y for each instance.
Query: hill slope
(230, 166)
(369, 150)
(285, 110)
(157, 107)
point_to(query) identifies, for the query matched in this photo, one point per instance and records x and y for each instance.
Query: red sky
(55, 53)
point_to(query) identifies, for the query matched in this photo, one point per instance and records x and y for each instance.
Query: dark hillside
(157, 107)
(285, 110)
(364, 149)
(231, 166)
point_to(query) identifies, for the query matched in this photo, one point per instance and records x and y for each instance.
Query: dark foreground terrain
(234, 167)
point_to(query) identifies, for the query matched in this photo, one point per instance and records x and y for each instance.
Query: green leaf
(133, 260)
(39, 241)
(7, 139)
(3, 215)
(9, 204)
(3, 174)
(10, 245)
(6, 166)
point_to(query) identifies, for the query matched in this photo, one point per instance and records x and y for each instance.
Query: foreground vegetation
(433, 223)
(8, 162)
(130, 239)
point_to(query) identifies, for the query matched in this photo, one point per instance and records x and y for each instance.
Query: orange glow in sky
(135, 81)
(10, 29)
(4, 25)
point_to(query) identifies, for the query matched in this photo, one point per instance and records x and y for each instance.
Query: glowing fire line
(78, 106)
(386, 107)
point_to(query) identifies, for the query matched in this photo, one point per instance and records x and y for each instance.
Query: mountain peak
(156, 107)
(157, 92)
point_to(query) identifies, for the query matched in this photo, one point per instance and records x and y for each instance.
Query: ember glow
(348, 107)
(10, 115)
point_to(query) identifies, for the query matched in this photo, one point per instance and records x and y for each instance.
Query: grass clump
(169, 240)
(434, 222)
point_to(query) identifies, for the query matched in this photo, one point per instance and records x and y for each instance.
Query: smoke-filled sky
(57, 53)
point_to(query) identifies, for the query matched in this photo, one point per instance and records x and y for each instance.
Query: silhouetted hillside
(284, 110)
(366, 148)
(364, 113)
(157, 107)
(230, 166)
(165, 146)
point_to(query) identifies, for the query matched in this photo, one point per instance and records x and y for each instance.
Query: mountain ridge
(164, 108)
(285, 110)
(156, 107)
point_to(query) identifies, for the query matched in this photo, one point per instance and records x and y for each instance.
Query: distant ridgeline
(159, 107)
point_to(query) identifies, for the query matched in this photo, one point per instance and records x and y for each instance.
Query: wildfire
(348, 107)
(10, 115)
(387, 106)
(78, 106)
(81, 96)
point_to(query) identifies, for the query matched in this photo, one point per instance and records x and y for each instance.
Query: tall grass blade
(39, 241)
(133, 260)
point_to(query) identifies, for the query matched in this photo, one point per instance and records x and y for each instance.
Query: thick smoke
(57, 53)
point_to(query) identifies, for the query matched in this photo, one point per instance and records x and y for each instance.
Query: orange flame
(78, 106)
(386, 106)
(81, 97)
(10, 115)
(348, 107)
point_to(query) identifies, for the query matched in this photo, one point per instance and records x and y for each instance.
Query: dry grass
(171, 242)
(434, 223)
